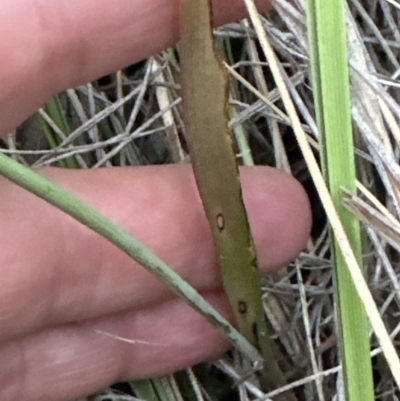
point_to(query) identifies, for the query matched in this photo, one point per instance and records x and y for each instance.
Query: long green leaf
(364, 293)
(329, 55)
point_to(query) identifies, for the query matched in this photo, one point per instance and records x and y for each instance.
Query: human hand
(62, 285)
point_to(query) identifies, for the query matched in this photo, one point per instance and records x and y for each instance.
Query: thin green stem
(87, 215)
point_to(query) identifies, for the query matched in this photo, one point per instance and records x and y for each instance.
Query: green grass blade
(145, 390)
(56, 112)
(157, 389)
(89, 216)
(329, 55)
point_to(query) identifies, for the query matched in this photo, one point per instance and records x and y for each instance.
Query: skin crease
(60, 282)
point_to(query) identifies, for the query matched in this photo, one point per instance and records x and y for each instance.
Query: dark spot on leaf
(242, 307)
(254, 329)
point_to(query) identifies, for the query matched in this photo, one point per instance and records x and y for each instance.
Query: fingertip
(279, 214)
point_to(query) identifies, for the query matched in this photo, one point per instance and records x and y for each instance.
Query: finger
(66, 272)
(49, 46)
(71, 361)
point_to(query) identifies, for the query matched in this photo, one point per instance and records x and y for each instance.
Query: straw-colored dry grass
(133, 117)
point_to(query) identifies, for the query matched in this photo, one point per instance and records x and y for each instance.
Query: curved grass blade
(204, 96)
(93, 219)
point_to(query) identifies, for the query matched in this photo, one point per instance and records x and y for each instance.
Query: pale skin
(61, 284)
